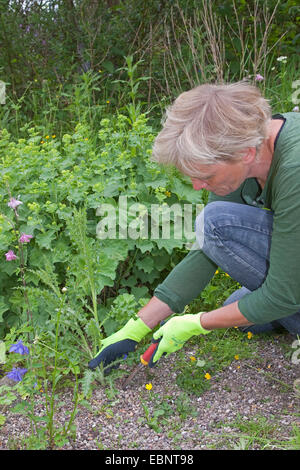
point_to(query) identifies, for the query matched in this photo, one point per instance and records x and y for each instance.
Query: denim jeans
(237, 238)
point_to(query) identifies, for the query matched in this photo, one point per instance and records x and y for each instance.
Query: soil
(252, 404)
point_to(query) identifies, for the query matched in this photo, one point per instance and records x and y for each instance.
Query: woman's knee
(206, 222)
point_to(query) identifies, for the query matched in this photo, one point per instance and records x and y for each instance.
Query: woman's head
(212, 124)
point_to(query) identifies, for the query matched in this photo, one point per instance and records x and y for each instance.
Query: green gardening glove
(176, 332)
(119, 344)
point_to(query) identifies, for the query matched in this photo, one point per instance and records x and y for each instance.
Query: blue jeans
(237, 238)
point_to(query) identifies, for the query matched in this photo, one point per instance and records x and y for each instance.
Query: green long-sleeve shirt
(279, 295)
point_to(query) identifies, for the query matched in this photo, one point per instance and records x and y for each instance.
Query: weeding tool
(145, 359)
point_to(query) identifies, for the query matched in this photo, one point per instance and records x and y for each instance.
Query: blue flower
(19, 348)
(16, 374)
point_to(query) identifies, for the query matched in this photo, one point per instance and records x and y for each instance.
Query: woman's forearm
(224, 317)
(154, 312)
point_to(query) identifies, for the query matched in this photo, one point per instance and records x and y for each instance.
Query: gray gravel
(258, 390)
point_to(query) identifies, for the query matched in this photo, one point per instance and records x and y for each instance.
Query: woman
(224, 138)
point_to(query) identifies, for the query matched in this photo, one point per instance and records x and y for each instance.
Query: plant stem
(54, 378)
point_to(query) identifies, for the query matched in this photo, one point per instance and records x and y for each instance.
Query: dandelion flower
(207, 376)
(249, 335)
(236, 357)
(192, 358)
(148, 386)
(217, 271)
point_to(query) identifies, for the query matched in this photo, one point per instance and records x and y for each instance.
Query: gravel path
(252, 405)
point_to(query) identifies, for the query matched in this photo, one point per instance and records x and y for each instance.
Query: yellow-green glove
(175, 332)
(119, 343)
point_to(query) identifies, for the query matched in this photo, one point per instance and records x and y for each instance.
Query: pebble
(217, 408)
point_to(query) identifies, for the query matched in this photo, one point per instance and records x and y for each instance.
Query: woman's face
(221, 178)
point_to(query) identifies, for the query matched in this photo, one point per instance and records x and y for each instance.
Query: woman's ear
(249, 155)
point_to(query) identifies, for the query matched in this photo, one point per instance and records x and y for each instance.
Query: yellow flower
(53, 137)
(249, 335)
(236, 357)
(107, 101)
(42, 142)
(148, 386)
(227, 275)
(168, 194)
(217, 271)
(207, 376)
(192, 358)
(47, 137)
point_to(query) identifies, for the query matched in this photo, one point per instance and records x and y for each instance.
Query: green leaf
(3, 307)
(44, 239)
(146, 264)
(140, 292)
(108, 65)
(2, 420)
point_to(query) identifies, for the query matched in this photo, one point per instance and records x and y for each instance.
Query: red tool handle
(145, 358)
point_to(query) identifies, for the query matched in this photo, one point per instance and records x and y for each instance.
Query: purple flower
(16, 374)
(259, 78)
(25, 238)
(14, 203)
(19, 348)
(10, 255)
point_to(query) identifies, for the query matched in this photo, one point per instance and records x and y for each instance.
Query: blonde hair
(211, 124)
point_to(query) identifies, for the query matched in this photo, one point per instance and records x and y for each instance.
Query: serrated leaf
(44, 239)
(140, 292)
(146, 264)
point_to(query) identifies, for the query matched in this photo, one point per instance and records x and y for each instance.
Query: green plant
(210, 356)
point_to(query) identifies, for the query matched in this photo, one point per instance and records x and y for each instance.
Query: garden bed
(253, 403)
